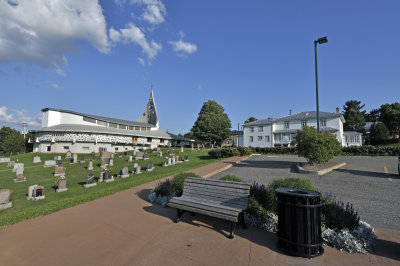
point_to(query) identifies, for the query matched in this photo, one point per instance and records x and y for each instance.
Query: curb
(320, 172)
(224, 168)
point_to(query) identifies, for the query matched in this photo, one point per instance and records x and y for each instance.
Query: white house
(281, 131)
(64, 130)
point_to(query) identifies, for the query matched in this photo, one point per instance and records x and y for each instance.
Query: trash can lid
(298, 192)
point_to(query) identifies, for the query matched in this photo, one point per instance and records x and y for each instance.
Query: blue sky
(255, 58)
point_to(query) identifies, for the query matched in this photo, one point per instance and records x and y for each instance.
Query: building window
(48, 148)
(322, 123)
(251, 138)
(102, 123)
(148, 139)
(161, 140)
(304, 123)
(137, 128)
(90, 120)
(260, 129)
(260, 138)
(131, 128)
(122, 126)
(116, 149)
(134, 139)
(267, 139)
(251, 129)
(277, 137)
(113, 125)
(66, 148)
(286, 124)
(85, 148)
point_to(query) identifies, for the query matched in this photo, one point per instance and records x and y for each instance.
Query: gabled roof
(109, 130)
(102, 118)
(299, 116)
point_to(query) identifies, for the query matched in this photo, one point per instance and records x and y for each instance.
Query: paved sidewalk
(125, 229)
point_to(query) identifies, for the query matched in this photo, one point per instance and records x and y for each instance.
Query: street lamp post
(320, 41)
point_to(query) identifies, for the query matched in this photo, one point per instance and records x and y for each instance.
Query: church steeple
(150, 115)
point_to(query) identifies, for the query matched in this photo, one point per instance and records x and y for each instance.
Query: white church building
(65, 130)
(282, 131)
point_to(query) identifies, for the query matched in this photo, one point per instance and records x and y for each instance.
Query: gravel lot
(363, 182)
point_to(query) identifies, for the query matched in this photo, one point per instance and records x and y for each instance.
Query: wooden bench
(222, 199)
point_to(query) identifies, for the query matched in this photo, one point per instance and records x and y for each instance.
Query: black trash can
(299, 222)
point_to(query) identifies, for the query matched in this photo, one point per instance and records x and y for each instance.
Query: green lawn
(23, 209)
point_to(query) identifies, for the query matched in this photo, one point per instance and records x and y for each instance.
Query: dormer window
(304, 123)
(260, 129)
(322, 123)
(251, 129)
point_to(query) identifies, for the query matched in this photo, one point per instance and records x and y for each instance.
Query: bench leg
(242, 221)
(178, 215)
(233, 225)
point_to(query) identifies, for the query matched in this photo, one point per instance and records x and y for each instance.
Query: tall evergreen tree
(390, 116)
(378, 133)
(213, 124)
(355, 118)
(250, 119)
(11, 140)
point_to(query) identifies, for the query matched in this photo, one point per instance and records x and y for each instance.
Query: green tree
(11, 140)
(378, 133)
(250, 119)
(212, 124)
(355, 118)
(390, 116)
(317, 147)
(373, 116)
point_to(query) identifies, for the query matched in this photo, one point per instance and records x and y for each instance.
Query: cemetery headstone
(192, 146)
(166, 161)
(59, 171)
(35, 192)
(17, 165)
(112, 155)
(19, 173)
(137, 170)
(59, 162)
(135, 152)
(170, 152)
(134, 168)
(68, 155)
(90, 182)
(82, 160)
(111, 162)
(107, 176)
(159, 154)
(130, 158)
(124, 172)
(186, 158)
(36, 159)
(5, 160)
(150, 166)
(177, 159)
(181, 149)
(139, 155)
(10, 164)
(107, 154)
(145, 156)
(49, 163)
(5, 199)
(90, 166)
(62, 184)
(75, 157)
(173, 160)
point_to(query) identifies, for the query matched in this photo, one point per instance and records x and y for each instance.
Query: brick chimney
(337, 110)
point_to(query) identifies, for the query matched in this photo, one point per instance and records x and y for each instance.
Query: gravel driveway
(363, 182)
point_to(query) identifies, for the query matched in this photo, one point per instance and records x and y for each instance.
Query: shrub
(163, 188)
(223, 152)
(178, 181)
(316, 147)
(299, 183)
(336, 215)
(378, 133)
(232, 178)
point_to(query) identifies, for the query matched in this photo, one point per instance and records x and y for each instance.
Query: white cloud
(141, 61)
(20, 117)
(55, 86)
(132, 34)
(183, 48)
(154, 11)
(43, 31)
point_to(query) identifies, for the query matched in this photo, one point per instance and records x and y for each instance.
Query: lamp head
(322, 40)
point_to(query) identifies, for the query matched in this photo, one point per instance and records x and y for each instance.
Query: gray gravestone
(124, 172)
(90, 166)
(134, 168)
(59, 171)
(173, 160)
(186, 158)
(19, 175)
(5, 160)
(17, 165)
(107, 176)
(145, 156)
(139, 155)
(59, 162)
(150, 166)
(36, 159)
(68, 155)
(166, 162)
(181, 149)
(75, 157)
(49, 163)
(137, 170)
(130, 158)
(82, 160)
(62, 184)
(159, 154)
(90, 182)
(35, 192)
(5, 199)
(111, 162)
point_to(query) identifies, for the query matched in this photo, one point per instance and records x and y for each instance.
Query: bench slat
(218, 189)
(243, 200)
(218, 182)
(205, 212)
(207, 205)
(226, 203)
(221, 196)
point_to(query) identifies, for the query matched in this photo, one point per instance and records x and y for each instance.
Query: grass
(23, 209)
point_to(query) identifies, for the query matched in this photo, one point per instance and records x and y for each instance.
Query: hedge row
(363, 151)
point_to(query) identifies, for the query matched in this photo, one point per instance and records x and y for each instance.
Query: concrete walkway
(125, 229)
